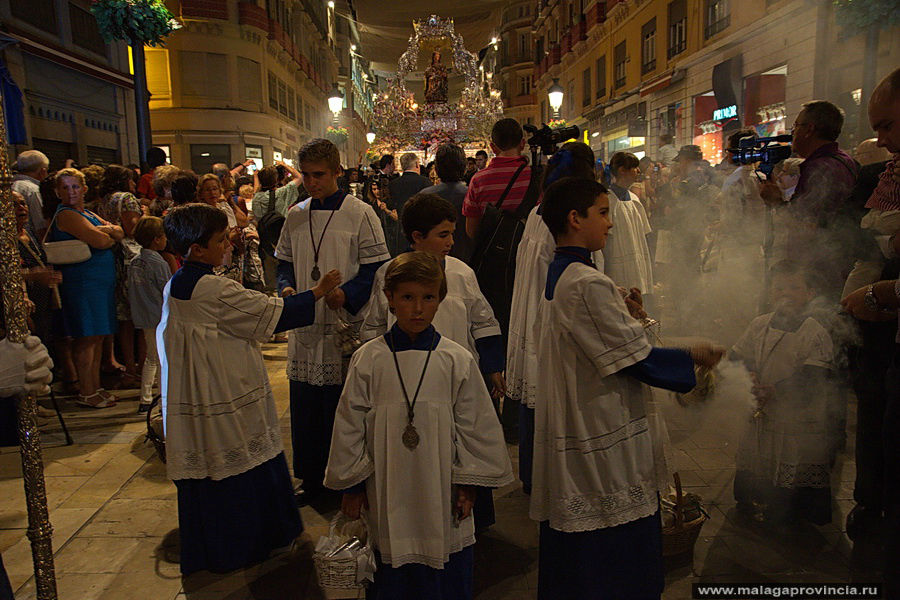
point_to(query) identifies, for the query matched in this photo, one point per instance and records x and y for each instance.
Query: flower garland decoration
(337, 135)
(146, 22)
(557, 123)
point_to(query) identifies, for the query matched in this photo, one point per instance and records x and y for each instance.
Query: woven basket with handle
(680, 538)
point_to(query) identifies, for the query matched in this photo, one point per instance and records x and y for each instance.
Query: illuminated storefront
(764, 97)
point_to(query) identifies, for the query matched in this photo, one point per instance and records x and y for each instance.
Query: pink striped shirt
(488, 184)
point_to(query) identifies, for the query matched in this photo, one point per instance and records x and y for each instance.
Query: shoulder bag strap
(515, 176)
(270, 207)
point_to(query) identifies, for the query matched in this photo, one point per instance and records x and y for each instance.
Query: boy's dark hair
(193, 224)
(481, 153)
(566, 195)
(623, 160)
(386, 159)
(506, 134)
(155, 157)
(116, 179)
(470, 160)
(418, 267)
(424, 212)
(574, 159)
(268, 178)
(450, 163)
(147, 230)
(789, 267)
(320, 150)
(184, 188)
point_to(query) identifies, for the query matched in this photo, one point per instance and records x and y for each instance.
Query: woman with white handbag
(80, 244)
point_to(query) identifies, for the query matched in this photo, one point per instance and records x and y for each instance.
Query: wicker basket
(336, 572)
(339, 576)
(680, 538)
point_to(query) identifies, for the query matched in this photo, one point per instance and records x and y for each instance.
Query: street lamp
(335, 101)
(370, 137)
(555, 94)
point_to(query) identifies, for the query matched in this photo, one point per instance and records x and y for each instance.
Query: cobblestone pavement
(115, 521)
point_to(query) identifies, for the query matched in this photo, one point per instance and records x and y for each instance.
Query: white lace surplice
(411, 495)
(627, 254)
(218, 410)
(463, 316)
(354, 237)
(593, 455)
(793, 444)
(533, 257)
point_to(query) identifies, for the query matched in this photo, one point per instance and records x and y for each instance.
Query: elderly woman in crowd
(121, 207)
(87, 288)
(163, 176)
(209, 191)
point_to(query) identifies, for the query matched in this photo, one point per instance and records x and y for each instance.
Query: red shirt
(489, 183)
(145, 186)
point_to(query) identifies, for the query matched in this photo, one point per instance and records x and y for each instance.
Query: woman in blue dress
(88, 287)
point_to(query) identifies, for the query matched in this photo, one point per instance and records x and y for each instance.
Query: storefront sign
(729, 112)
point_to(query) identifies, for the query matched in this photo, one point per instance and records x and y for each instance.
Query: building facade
(242, 79)
(699, 69)
(77, 92)
(517, 61)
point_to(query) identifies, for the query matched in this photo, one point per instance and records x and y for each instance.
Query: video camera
(547, 139)
(767, 152)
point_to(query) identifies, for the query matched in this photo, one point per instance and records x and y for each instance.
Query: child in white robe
(627, 254)
(594, 482)
(535, 252)
(223, 440)
(414, 432)
(785, 458)
(428, 222)
(328, 230)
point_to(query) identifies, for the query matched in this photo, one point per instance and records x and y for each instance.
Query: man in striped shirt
(487, 185)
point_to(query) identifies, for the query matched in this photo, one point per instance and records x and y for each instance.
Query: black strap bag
(494, 257)
(269, 227)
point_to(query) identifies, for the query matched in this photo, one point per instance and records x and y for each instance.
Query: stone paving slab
(114, 514)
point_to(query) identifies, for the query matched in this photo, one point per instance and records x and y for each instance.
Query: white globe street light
(555, 94)
(336, 101)
(370, 137)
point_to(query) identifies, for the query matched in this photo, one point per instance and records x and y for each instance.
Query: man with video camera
(827, 177)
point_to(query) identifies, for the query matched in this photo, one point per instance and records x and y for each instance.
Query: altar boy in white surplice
(223, 440)
(594, 480)
(328, 230)
(414, 433)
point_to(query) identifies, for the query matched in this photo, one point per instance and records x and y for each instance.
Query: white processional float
(403, 124)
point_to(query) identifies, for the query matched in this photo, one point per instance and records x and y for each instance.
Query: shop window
(204, 156)
(38, 13)
(249, 73)
(601, 76)
(619, 65)
(648, 46)
(677, 28)
(586, 87)
(273, 91)
(718, 17)
(85, 32)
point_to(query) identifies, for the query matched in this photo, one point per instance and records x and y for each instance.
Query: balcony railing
(648, 66)
(676, 49)
(717, 26)
(619, 83)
